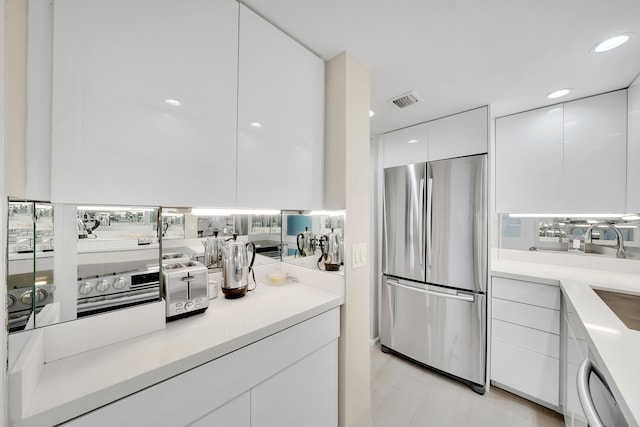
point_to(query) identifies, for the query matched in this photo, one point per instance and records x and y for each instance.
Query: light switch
(358, 255)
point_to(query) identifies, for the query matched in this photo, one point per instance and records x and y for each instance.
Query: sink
(625, 306)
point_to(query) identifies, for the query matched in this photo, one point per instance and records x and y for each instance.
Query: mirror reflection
(314, 241)
(606, 235)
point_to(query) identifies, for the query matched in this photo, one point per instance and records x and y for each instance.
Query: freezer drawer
(439, 327)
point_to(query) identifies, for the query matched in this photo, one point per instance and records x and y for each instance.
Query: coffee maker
(236, 268)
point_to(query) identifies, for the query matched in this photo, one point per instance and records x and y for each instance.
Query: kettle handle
(300, 249)
(253, 273)
(322, 247)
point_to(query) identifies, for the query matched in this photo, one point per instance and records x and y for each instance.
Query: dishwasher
(586, 396)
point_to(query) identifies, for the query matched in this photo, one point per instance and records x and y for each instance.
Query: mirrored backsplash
(604, 235)
(66, 262)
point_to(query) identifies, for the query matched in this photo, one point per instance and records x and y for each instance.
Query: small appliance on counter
(236, 268)
(185, 289)
(306, 243)
(213, 250)
(331, 246)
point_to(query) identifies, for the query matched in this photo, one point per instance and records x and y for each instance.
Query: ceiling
(462, 54)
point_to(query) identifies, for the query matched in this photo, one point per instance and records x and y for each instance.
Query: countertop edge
(104, 396)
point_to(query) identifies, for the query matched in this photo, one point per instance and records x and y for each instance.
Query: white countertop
(616, 347)
(75, 385)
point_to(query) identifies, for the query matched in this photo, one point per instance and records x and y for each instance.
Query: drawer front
(543, 319)
(547, 296)
(528, 372)
(527, 338)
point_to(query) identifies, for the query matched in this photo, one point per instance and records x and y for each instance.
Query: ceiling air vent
(406, 99)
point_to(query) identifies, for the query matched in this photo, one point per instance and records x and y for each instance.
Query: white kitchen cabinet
(458, 135)
(462, 134)
(406, 146)
(633, 150)
(115, 139)
(525, 339)
(236, 413)
(564, 158)
(304, 394)
(280, 119)
(595, 153)
(529, 161)
(260, 373)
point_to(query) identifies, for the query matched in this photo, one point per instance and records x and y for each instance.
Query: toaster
(185, 289)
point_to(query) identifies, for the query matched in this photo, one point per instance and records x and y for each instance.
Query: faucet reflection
(619, 239)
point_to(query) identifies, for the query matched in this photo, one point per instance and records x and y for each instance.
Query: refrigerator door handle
(422, 221)
(428, 235)
(457, 296)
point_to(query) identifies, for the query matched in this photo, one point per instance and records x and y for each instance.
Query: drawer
(543, 319)
(527, 338)
(547, 296)
(528, 372)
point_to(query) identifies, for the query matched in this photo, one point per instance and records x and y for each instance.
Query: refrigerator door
(403, 245)
(439, 327)
(456, 223)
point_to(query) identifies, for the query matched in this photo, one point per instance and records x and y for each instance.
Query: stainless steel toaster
(185, 289)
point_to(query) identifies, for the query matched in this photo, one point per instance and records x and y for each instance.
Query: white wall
(3, 226)
(347, 186)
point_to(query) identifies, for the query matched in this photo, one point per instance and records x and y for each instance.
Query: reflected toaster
(185, 289)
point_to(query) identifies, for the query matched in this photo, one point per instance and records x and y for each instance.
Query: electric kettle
(306, 243)
(236, 267)
(83, 230)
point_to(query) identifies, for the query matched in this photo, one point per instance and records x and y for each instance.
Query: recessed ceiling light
(255, 125)
(558, 93)
(173, 102)
(611, 43)
(371, 113)
(412, 141)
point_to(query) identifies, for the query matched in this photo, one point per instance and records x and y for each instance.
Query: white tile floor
(406, 395)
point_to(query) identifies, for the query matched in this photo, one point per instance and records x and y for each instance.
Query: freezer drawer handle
(458, 296)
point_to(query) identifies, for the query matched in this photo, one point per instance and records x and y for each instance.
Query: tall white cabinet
(280, 119)
(569, 157)
(144, 102)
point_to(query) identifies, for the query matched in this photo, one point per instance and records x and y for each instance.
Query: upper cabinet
(633, 150)
(406, 146)
(280, 119)
(144, 102)
(529, 161)
(458, 135)
(565, 158)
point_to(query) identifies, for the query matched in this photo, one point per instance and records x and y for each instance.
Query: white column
(347, 186)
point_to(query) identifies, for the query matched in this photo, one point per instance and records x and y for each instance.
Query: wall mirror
(602, 235)
(65, 261)
(314, 240)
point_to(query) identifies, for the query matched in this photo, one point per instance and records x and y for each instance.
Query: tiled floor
(406, 395)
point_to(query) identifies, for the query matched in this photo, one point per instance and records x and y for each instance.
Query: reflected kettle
(84, 231)
(213, 250)
(331, 246)
(306, 243)
(236, 268)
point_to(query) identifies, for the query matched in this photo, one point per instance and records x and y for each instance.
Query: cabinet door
(529, 162)
(633, 150)
(462, 134)
(236, 413)
(304, 394)
(406, 146)
(280, 119)
(115, 138)
(595, 153)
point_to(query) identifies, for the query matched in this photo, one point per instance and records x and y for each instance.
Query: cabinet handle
(584, 395)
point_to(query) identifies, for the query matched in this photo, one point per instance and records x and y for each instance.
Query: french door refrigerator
(433, 302)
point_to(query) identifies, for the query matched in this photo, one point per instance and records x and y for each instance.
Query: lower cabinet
(287, 379)
(525, 339)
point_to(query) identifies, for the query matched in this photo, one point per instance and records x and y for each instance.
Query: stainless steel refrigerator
(433, 302)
